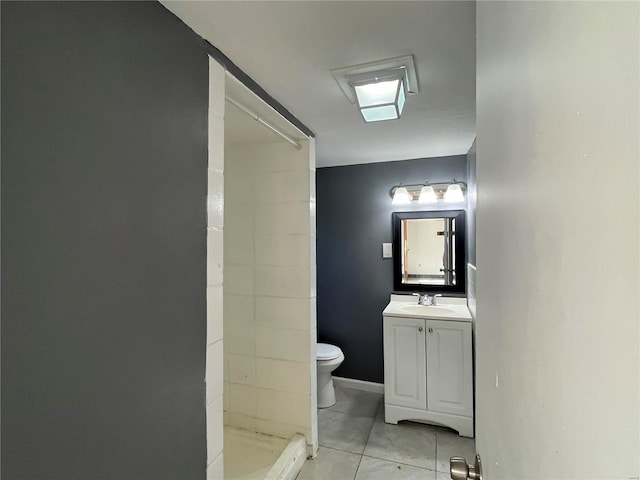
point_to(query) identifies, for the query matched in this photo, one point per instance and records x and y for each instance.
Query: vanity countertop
(446, 308)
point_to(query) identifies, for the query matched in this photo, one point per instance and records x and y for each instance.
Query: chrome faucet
(421, 297)
(426, 299)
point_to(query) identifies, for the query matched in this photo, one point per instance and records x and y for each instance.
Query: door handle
(459, 469)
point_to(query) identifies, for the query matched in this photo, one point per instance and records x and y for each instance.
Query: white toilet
(328, 358)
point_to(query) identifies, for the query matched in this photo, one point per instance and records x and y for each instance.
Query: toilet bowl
(328, 358)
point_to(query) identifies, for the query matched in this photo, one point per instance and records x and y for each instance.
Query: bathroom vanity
(428, 363)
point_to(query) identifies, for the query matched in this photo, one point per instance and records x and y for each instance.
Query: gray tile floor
(356, 444)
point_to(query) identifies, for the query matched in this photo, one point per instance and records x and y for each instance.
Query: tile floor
(356, 444)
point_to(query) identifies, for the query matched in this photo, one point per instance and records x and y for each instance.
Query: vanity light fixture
(379, 88)
(428, 193)
(454, 193)
(401, 196)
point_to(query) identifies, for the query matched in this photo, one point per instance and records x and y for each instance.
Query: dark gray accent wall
(354, 281)
(104, 157)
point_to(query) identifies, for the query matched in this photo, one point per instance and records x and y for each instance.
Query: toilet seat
(326, 351)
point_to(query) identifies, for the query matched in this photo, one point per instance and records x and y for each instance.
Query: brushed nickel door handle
(459, 469)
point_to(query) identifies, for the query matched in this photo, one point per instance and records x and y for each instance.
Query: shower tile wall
(215, 223)
(269, 289)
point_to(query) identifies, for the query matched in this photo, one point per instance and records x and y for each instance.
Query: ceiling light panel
(347, 76)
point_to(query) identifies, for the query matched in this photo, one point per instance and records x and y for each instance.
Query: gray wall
(354, 281)
(104, 157)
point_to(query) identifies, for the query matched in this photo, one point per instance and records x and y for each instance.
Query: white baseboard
(358, 384)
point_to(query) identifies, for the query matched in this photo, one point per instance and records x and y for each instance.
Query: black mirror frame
(459, 245)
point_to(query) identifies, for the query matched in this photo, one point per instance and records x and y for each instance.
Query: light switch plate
(387, 250)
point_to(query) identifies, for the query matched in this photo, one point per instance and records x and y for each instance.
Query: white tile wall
(282, 375)
(242, 369)
(311, 345)
(217, 82)
(280, 312)
(313, 316)
(214, 314)
(313, 285)
(215, 470)
(312, 185)
(269, 295)
(287, 186)
(226, 394)
(283, 250)
(279, 429)
(312, 218)
(239, 249)
(276, 281)
(240, 165)
(279, 157)
(240, 337)
(215, 199)
(284, 407)
(215, 239)
(214, 429)
(283, 344)
(214, 256)
(238, 279)
(214, 374)
(243, 399)
(238, 308)
(281, 218)
(311, 142)
(216, 142)
(239, 194)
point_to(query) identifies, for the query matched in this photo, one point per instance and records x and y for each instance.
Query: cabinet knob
(419, 329)
(430, 330)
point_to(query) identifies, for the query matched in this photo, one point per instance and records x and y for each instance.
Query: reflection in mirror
(428, 255)
(429, 251)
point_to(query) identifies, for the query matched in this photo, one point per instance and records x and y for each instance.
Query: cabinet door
(449, 370)
(404, 362)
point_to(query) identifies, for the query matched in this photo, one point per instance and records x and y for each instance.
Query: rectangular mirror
(428, 251)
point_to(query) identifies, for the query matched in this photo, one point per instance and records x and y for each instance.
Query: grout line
(436, 459)
(367, 442)
(340, 450)
(359, 462)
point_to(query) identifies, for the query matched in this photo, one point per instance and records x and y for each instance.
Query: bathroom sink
(448, 309)
(426, 310)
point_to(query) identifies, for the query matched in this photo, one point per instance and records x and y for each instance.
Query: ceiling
(289, 48)
(241, 128)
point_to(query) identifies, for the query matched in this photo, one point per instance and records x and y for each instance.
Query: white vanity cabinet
(428, 371)
(405, 366)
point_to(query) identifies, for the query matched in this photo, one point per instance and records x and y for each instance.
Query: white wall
(215, 224)
(269, 289)
(471, 232)
(558, 240)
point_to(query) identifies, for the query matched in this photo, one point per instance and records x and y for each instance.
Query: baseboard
(358, 384)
